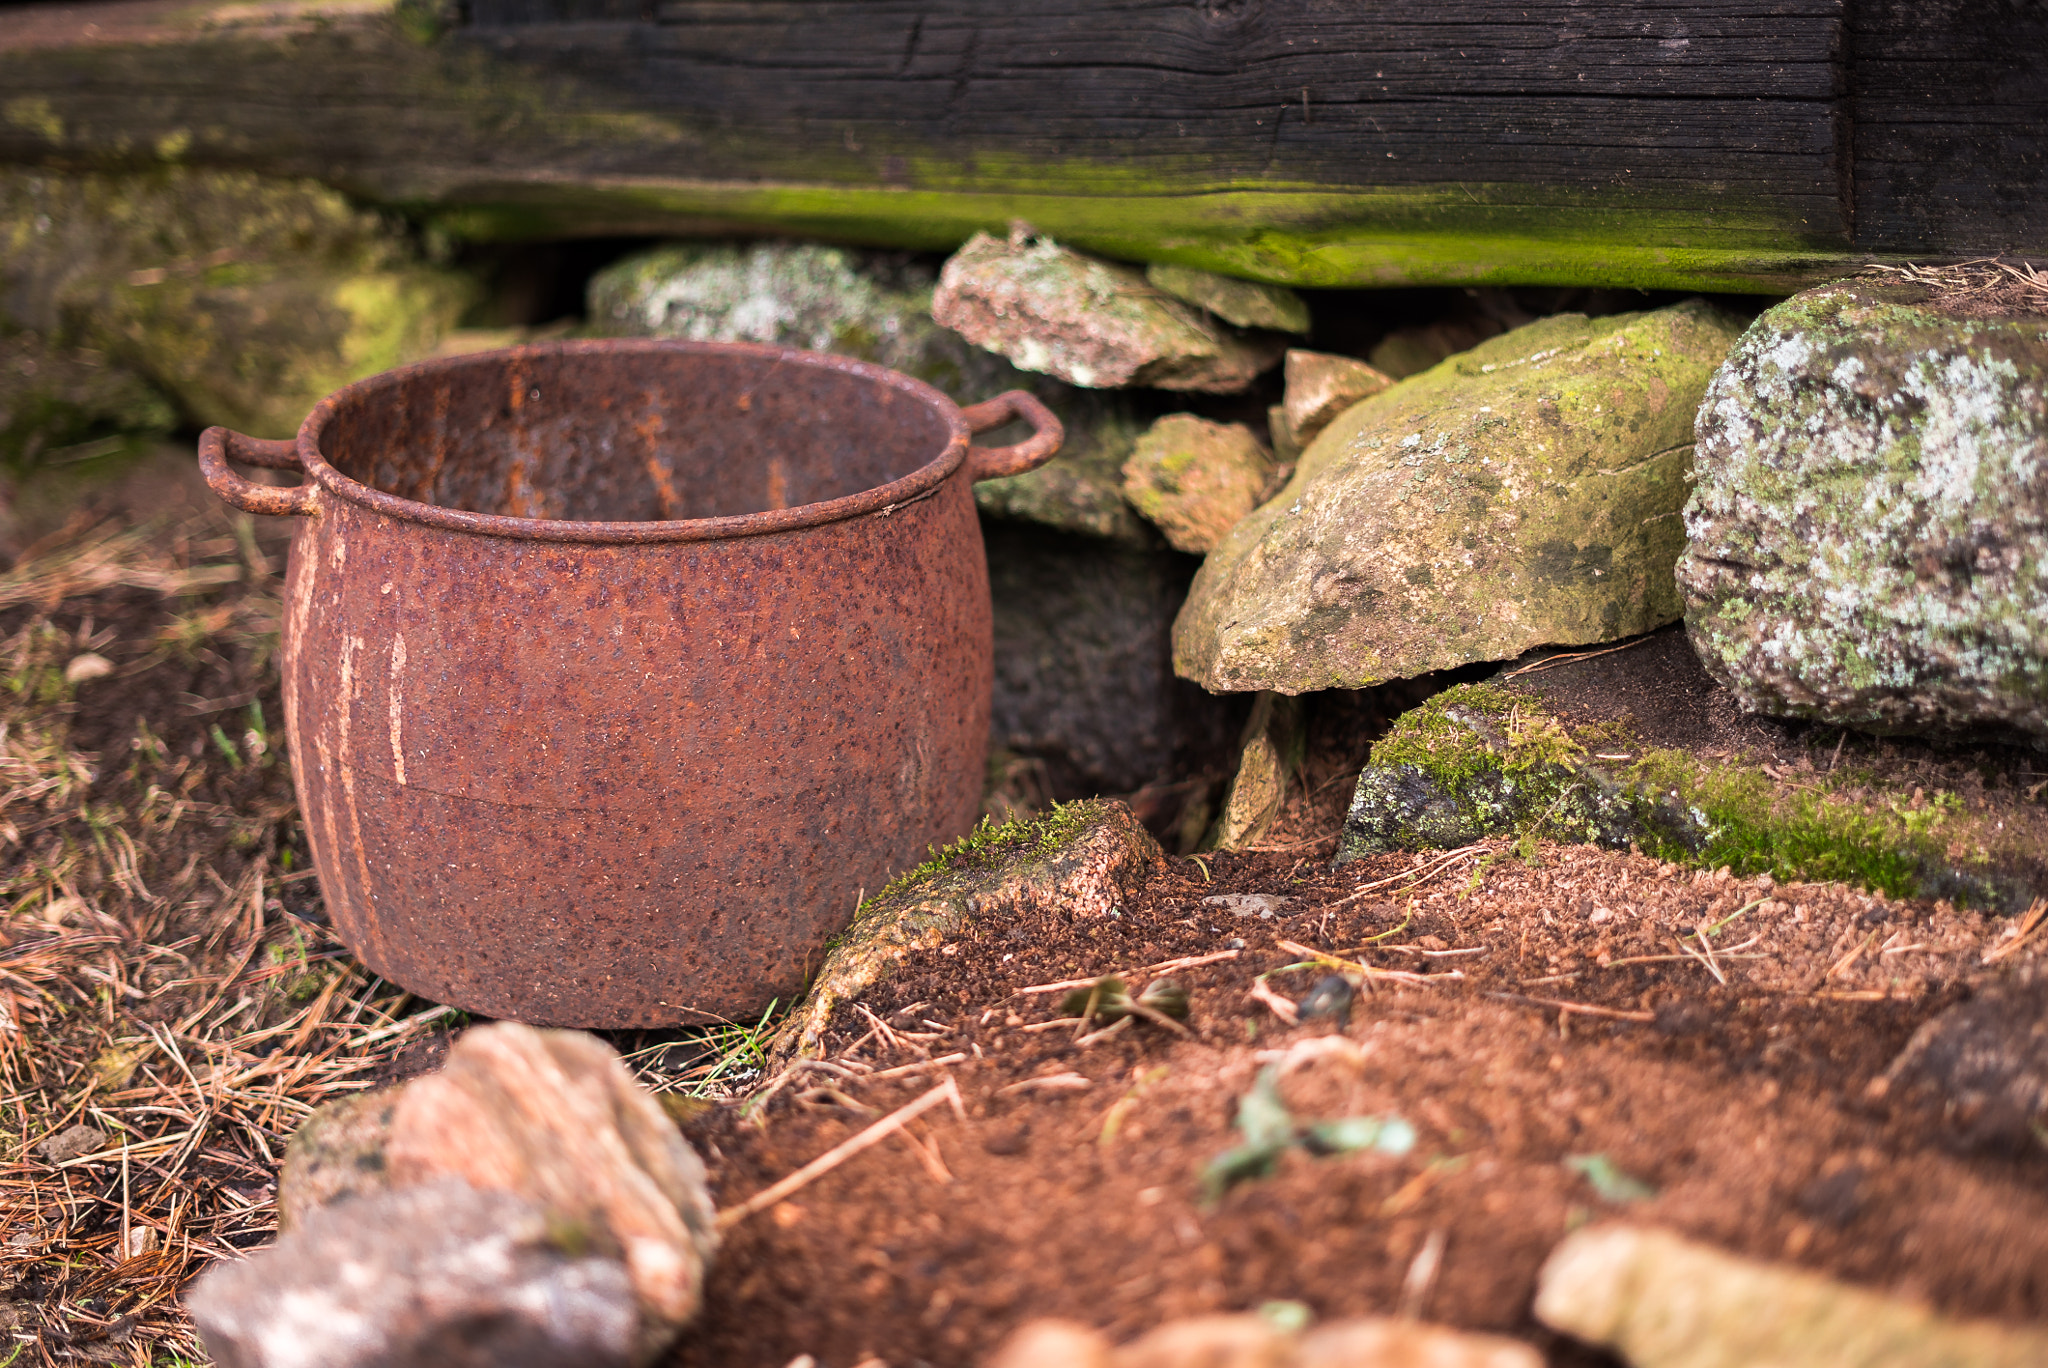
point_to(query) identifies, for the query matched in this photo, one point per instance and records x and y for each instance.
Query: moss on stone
(244, 300)
(1478, 761)
(991, 844)
(1521, 493)
(1869, 528)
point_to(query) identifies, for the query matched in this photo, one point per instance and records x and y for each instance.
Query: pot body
(634, 780)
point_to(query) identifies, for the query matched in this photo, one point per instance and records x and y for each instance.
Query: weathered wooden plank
(1673, 142)
(1950, 108)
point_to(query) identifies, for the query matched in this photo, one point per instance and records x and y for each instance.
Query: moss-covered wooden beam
(1702, 145)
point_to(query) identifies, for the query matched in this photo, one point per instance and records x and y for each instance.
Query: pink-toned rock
(1210, 1342)
(1195, 480)
(1379, 1342)
(1051, 1344)
(1089, 322)
(435, 1276)
(1256, 1342)
(555, 1117)
(1319, 387)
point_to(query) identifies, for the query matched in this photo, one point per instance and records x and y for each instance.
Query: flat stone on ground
(1660, 1301)
(1089, 322)
(1082, 857)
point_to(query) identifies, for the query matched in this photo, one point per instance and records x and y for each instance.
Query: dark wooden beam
(1698, 143)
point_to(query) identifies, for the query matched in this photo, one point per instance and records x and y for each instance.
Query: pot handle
(218, 444)
(986, 463)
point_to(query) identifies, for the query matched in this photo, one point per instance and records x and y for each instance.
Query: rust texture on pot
(614, 671)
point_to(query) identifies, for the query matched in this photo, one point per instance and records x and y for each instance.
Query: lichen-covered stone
(336, 1154)
(1869, 530)
(875, 306)
(244, 300)
(1524, 492)
(52, 398)
(1475, 762)
(1319, 387)
(1247, 303)
(1089, 322)
(1481, 761)
(1196, 479)
(1661, 1301)
(1082, 857)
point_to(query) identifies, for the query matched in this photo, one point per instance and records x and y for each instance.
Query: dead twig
(2036, 915)
(1280, 1006)
(831, 1159)
(1576, 1008)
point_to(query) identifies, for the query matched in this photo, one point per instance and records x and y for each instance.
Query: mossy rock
(1869, 529)
(245, 300)
(875, 306)
(1482, 761)
(1082, 857)
(1521, 493)
(56, 400)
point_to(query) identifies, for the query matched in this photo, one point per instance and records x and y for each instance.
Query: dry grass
(154, 987)
(1985, 288)
(166, 975)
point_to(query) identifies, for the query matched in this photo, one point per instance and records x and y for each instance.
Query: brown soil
(1744, 1106)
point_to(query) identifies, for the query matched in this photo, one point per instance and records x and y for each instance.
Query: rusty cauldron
(615, 671)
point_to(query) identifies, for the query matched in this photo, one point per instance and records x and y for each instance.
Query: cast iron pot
(615, 671)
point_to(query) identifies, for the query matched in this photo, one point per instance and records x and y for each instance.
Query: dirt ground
(1522, 1017)
(166, 978)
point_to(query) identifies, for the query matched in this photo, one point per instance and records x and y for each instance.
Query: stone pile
(529, 1203)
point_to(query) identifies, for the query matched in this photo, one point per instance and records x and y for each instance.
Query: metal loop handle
(987, 463)
(218, 444)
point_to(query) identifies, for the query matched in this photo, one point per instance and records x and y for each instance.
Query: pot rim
(883, 499)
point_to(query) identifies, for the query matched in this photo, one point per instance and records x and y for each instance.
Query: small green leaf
(1262, 1117)
(1232, 1167)
(1610, 1182)
(1387, 1134)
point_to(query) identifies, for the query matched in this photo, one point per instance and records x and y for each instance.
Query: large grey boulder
(876, 306)
(1090, 322)
(1869, 531)
(1521, 493)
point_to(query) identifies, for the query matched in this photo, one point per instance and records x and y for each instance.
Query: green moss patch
(991, 845)
(1478, 762)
